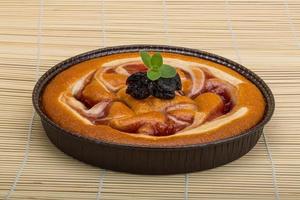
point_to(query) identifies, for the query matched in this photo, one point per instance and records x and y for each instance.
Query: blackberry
(138, 85)
(164, 88)
(163, 94)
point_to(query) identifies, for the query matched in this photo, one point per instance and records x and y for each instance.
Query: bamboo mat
(34, 35)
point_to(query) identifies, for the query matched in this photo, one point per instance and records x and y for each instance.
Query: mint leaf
(156, 68)
(167, 71)
(153, 75)
(146, 58)
(156, 60)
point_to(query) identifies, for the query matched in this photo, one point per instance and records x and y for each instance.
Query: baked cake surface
(89, 99)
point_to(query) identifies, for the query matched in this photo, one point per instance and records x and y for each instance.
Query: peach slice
(119, 110)
(132, 124)
(211, 104)
(116, 80)
(184, 115)
(155, 104)
(116, 110)
(193, 80)
(198, 80)
(225, 90)
(94, 93)
(138, 106)
(221, 87)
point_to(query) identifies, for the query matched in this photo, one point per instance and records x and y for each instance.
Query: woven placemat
(36, 34)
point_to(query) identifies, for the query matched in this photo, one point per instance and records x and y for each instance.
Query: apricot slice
(132, 124)
(119, 110)
(183, 115)
(211, 104)
(116, 80)
(94, 93)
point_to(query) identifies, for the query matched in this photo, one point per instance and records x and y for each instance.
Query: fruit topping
(224, 90)
(164, 88)
(160, 80)
(138, 85)
(94, 93)
(211, 104)
(151, 98)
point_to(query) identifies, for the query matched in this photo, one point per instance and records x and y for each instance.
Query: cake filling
(101, 98)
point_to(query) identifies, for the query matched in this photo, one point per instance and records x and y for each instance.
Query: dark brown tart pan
(148, 160)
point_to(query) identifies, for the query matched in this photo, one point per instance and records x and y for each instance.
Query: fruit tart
(152, 107)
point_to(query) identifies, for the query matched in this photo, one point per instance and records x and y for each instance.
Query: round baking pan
(156, 160)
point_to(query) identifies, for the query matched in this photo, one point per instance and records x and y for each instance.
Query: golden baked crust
(211, 125)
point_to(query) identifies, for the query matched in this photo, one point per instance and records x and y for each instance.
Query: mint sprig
(156, 68)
